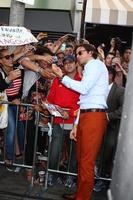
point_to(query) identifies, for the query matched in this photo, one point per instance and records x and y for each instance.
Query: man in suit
(114, 102)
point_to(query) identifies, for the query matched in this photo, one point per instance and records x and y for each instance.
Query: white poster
(14, 36)
(30, 2)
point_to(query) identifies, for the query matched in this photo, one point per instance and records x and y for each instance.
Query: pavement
(14, 186)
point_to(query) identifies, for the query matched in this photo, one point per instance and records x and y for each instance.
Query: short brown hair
(1, 51)
(88, 48)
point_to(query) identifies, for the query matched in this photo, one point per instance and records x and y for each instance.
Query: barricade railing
(67, 171)
(22, 163)
(46, 128)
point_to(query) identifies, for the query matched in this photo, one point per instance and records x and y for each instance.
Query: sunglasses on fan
(7, 57)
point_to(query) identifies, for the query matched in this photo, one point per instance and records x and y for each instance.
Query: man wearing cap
(65, 98)
(90, 127)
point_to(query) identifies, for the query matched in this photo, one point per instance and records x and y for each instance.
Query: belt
(93, 110)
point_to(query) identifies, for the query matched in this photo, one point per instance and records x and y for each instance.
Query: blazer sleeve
(116, 114)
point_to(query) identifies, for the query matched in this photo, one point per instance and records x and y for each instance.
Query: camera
(102, 46)
(55, 59)
(113, 65)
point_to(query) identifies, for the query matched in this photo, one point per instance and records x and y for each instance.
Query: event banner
(14, 36)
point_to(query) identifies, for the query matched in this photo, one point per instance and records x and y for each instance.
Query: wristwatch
(62, 77)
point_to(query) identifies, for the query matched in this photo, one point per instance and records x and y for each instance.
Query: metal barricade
(22, 164)
(45, 129)
(58, 171)
(67, 171)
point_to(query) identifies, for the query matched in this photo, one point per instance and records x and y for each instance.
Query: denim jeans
(58, 137)
(11, 128)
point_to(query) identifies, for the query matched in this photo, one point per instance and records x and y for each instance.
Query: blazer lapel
(111, 93)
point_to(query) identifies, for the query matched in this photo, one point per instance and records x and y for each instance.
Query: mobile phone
(71, 37)
(63, 46)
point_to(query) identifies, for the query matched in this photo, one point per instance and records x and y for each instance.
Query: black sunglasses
(80, 52)
(61, 57)
(8, 56)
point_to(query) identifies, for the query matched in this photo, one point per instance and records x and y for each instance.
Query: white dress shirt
(93, 87)
(110, 86)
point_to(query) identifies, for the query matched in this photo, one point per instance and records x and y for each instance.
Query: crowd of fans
(29, 79)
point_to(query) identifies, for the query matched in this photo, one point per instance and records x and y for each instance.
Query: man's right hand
(57, 71)
(73, 133)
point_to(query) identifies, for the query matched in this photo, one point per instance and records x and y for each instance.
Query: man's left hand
(57, 71)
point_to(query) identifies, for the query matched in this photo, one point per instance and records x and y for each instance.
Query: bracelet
(7, 80)
(39, 70)
(75, 125)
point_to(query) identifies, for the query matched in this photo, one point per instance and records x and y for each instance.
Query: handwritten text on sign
(12, 35)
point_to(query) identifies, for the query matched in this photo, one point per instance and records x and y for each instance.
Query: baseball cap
(70, 58)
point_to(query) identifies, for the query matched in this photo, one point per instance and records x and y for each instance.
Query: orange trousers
(91, 128)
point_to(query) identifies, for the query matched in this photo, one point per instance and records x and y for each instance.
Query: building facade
(55, 17)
